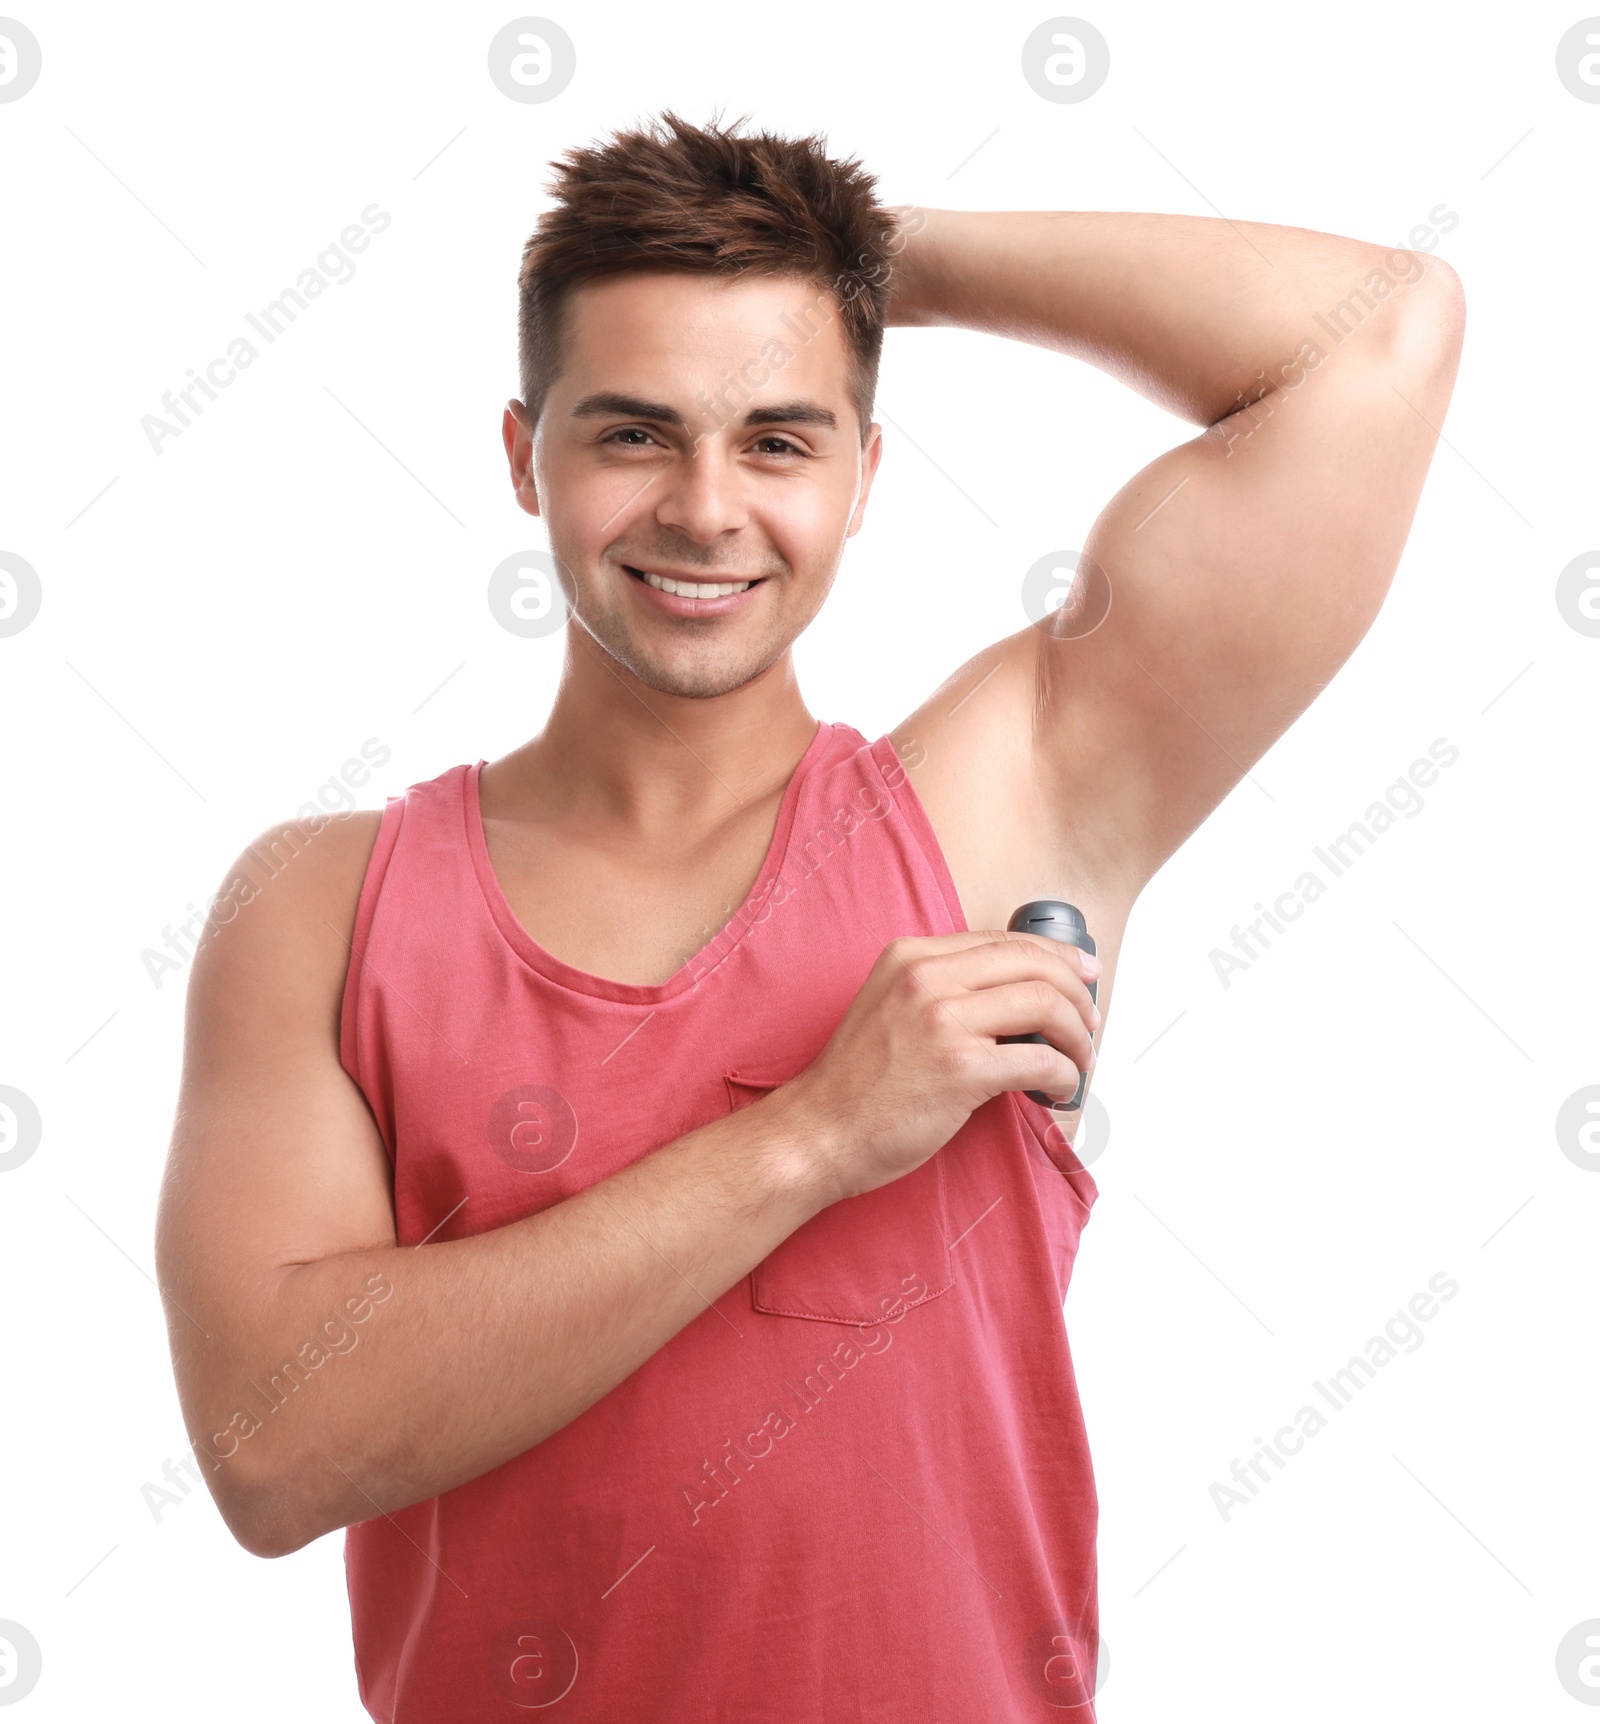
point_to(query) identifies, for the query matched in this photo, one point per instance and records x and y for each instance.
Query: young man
(668, 1296)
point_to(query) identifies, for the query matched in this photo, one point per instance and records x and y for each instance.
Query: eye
(629, 431)
(783, 446)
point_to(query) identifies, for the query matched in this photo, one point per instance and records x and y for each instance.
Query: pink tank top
(859, 1485)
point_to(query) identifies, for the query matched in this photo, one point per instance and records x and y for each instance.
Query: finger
(1084, 964)
(1001, 958)
(935, 945)
(1026, 1008)
(1034, 1065)
(909, 946)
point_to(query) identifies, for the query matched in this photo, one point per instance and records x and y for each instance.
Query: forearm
(486, 1345)
(1197, 313)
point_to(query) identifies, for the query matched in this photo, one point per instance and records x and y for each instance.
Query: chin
(693, 676)
(695, 682)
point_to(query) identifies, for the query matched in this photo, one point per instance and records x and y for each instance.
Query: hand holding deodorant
(1056, 921)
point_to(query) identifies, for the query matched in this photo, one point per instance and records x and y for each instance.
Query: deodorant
(1056, 921)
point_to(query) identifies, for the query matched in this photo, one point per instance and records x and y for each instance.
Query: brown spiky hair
(713, 200)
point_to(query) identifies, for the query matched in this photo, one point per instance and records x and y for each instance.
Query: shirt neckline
(566, 975)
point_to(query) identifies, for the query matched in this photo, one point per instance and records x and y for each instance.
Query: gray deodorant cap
(1055, 920)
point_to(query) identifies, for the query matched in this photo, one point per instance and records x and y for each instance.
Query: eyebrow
(607, 405)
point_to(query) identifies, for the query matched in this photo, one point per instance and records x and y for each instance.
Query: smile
(690, 589)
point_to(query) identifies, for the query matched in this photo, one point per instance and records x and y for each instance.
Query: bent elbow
(1447, 298)
(1432, 320)
(265, 1516)
(265, 1537)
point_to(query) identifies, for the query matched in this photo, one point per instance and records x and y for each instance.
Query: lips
(683, 596)
(689, 587)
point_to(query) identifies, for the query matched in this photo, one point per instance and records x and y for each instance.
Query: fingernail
(1091, 964)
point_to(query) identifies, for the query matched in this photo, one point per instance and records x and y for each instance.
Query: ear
(871, 455)
(517, 434)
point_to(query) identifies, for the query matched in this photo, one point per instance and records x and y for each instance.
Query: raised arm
(1242, 567)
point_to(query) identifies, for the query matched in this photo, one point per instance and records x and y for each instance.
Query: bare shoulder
(278, 930)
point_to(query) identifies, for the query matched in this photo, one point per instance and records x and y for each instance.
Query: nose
(704, 497)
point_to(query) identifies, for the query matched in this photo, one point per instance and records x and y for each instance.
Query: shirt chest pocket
(864, 1259)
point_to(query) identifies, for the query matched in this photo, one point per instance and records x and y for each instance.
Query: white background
(1374, 1101)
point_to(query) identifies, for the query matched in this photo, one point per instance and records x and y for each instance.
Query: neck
(614, 750)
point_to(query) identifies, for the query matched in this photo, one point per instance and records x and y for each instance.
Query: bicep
(275, 1157)
(1243, 568)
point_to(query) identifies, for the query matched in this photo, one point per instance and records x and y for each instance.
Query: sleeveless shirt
(857, 1485)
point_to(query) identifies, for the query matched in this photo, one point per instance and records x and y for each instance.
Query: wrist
(802, 1149)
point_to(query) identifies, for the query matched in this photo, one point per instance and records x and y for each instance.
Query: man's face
(701, 431)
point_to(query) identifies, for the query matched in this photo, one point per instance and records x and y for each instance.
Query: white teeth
(695, 589)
